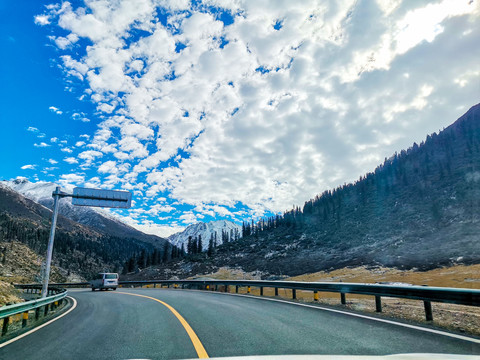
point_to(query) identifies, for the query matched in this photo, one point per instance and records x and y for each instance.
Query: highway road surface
(174, 323)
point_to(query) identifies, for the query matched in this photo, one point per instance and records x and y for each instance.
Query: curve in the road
(393, 322)
(197, 344)
(110, 325)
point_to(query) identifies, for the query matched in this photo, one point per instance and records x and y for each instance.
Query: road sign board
(101, 198)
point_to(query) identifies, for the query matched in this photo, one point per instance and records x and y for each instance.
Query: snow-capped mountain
(97, 218)
(205, 230)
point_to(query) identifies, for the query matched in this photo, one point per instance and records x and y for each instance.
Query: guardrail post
(24, 319)
(216, 287)
(183, 286)
(378, 303)
(294, 294)
(428, 310)
(248, 289)
(226, 288)
(276, 291)
(261, 290)
(315, 295)
(168, 286)
(236, 289)
(342, 298)
(37, 313)
(6, 321)
(45, 311)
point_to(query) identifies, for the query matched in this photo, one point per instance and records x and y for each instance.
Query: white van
(105, 281)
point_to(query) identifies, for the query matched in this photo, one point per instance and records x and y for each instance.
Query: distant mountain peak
(205, 230)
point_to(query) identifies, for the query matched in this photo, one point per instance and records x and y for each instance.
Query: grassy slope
(19, 264)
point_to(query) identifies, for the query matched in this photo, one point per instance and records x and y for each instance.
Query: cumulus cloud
(272, 107)
(71, 160)
(32, 129)
(41, 145)
(65, 42)
(28, 167)
(55, 110)
(80, 117)
(150, 227)
(188, 218)
(42, 20)
(67, 180)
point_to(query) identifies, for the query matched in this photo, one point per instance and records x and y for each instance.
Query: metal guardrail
(49, 302)
(469, 297)
(53, 285)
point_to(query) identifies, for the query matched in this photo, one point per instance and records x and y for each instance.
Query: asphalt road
(112, 325)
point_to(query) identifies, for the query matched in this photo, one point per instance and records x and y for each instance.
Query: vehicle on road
(105, 281)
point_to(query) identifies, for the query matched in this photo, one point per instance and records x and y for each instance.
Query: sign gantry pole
(82, 197)
(56, 198)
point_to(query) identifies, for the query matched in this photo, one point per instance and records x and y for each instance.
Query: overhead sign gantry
(82, 197)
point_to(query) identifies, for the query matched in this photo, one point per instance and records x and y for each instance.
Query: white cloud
(41, 145)
(263, 116)
(55, 110)
(71, 160)
(67, 180)
(109, 167)
(159, 208)
(53, 162)
(89, 156)
(42, 20)
(65, 42)
(54, 139)
(67, 150)
(29, 167)
(32, 129)
(80, 117)
(188, 218)
(150, 227)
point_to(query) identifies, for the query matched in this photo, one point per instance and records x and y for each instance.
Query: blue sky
(226, 109)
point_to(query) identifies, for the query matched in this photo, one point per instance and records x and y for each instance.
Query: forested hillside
(420, 208)
(78, 248)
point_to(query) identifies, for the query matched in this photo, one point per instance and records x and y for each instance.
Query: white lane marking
(41, 326)
(439, 332)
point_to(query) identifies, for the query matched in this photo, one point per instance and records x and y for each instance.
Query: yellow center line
(201, 352)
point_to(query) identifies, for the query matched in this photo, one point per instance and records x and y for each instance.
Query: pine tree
(131, 264)
(142, 260)
(194, 246)
(182, 250)
(200, 245)
(189, 245)
(165, 252)
(210, 246)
